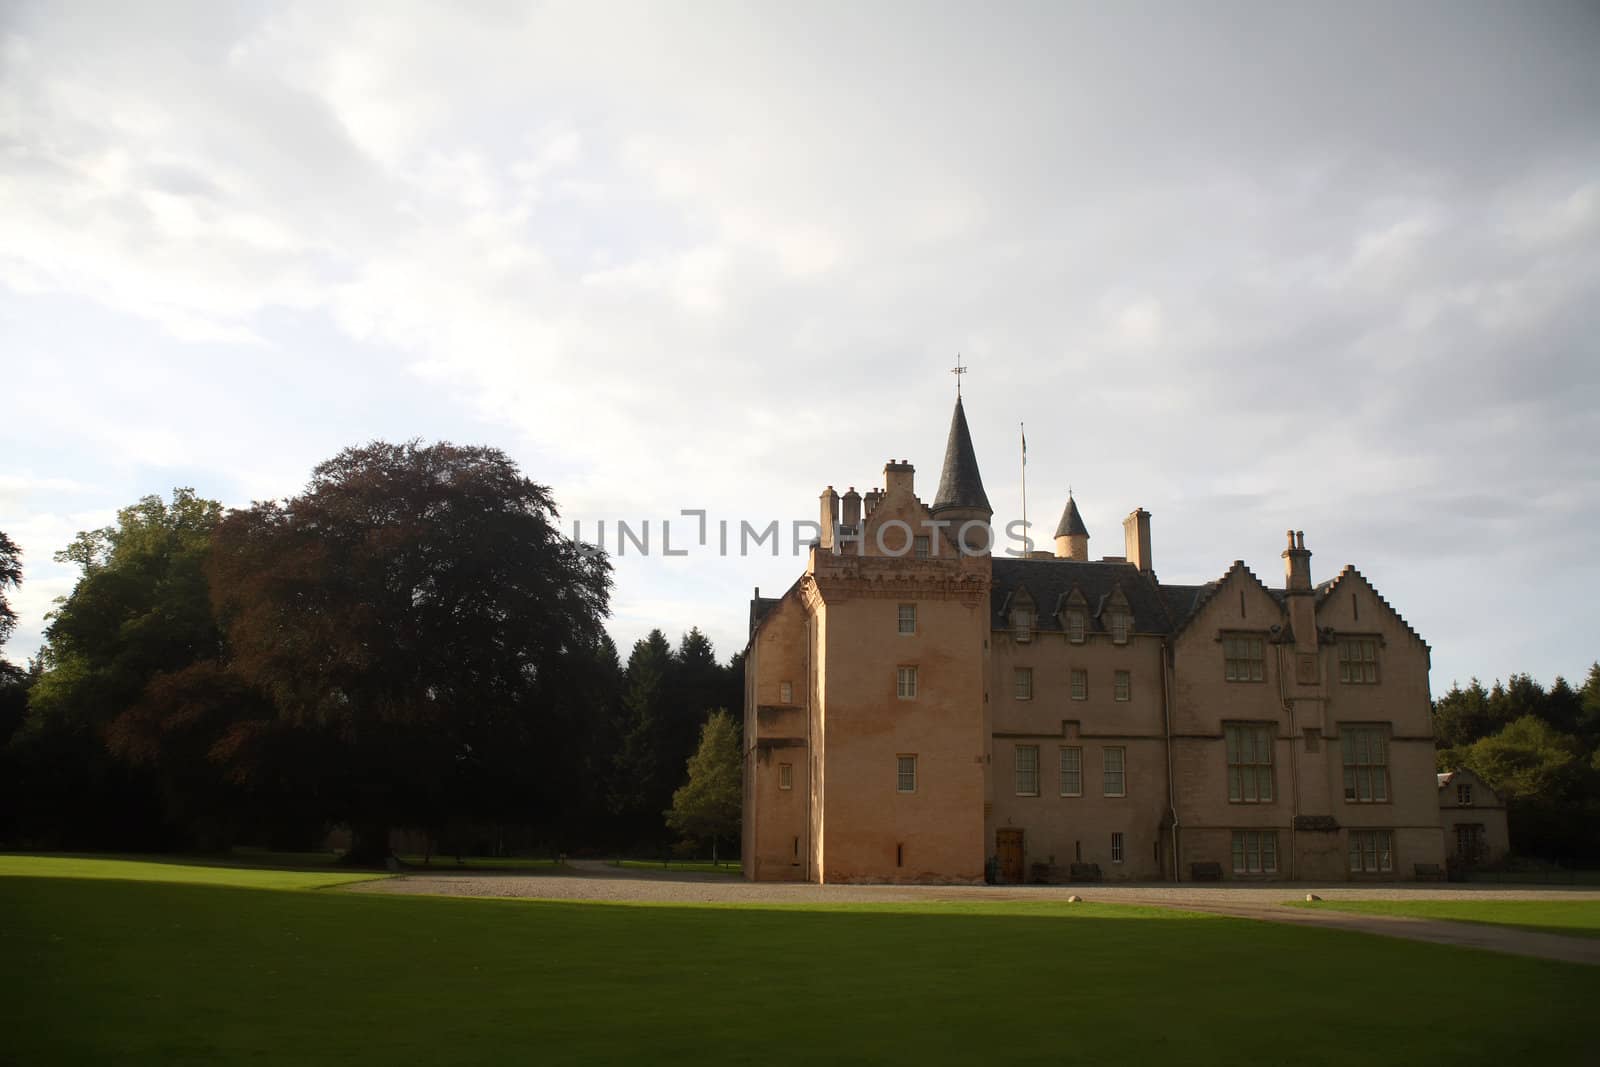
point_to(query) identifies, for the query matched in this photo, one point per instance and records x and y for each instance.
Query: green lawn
(1577, 918)
(174, 870)
(95, 971)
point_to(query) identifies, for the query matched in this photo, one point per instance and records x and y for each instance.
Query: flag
(1024, 444)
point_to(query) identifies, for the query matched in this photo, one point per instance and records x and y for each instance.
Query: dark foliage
(410, 643)
(1540, 750)
(417, 604)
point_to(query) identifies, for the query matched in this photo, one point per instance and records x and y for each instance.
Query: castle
(920, 707)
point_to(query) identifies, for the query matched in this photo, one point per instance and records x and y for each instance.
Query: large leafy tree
(10, 578)
(418, 604)
(140, 609)
(13, 692)
(1550, 788)
(708, 805)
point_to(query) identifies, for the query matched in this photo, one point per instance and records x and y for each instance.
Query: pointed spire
(1071, 524)
(960, 484)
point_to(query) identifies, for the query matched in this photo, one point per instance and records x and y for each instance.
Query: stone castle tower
(923, 705)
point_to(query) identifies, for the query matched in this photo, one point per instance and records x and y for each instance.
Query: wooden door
(1469, 843)
(1008, 848)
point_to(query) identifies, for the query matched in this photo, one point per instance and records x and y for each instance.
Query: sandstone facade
(919, 708)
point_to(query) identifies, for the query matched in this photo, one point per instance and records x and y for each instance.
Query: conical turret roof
(960, 484)
(1071, 524)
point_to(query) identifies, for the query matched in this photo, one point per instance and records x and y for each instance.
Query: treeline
(1540, 750)
(410, 644)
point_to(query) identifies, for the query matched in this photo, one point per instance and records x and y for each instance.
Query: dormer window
(1077, 623)
(1022, 622)
(1464, 795)
(1117, 617)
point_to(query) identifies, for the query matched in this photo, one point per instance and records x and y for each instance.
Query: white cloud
(722, 259)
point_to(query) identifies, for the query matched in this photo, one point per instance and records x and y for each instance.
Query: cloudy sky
(1249, 268)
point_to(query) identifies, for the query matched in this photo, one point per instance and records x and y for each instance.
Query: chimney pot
(1297, 564)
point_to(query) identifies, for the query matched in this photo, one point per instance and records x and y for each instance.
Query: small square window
(1116, 848)
(785, 776)
(921, 547)
(1027, 766)
(1022, 678)
(1080, 684)
(1123, 686)
(906, 620)
(1114, 772)
(906, 683)
(1072, 772)
(786, 692)
(906, 774)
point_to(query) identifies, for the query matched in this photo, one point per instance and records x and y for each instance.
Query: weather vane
(958, 370)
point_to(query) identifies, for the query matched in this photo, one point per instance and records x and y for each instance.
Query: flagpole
(1027, 535)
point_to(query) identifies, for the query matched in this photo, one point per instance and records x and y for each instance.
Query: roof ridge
(1327, 590)
(1209, 592)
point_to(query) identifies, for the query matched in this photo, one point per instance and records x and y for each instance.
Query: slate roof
(1157, 609)
(1071, 523)
(1184, 600)
(960, 484)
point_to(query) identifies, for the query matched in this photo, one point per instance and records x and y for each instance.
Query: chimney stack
(829, 518)
(1297, 564)
(898, 475)
(1136, 539)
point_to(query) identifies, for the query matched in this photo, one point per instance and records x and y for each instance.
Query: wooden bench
(1085, 872)
(1430, 872)
(1205, 872)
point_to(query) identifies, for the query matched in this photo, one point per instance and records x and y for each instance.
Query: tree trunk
(713, 850)
(369, 845)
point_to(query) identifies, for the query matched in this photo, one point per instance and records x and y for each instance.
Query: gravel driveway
(598, 881)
